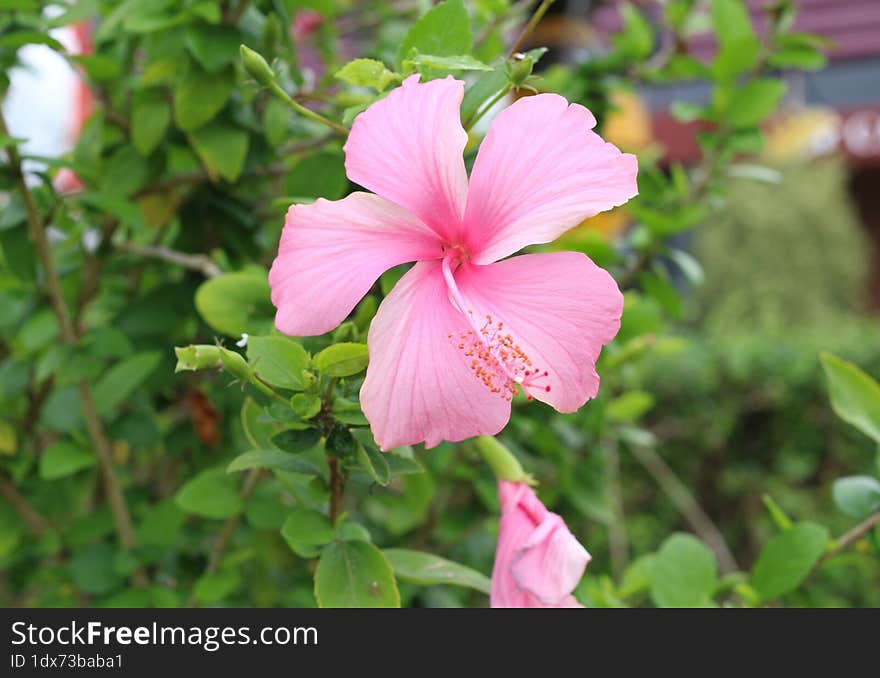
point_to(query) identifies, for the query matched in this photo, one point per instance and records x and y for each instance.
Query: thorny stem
(302, 110)
(95, 427)
(527, 31)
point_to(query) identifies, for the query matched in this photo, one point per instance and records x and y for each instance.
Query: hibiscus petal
(331, 253)
(551, 562)
(408, 148)
(418, 386)
(559, 309)
(541, 171)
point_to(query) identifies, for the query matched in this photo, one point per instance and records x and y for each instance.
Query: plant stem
(337, 484)
(216, 557)
(35, 522)
(302, 110)
(196, 262)
(684, 501)
(95, 427)
(475, 118)
(849, 538)
(527, 31)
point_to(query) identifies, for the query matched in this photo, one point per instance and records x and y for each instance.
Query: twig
(527, 31)
(35, 522)
(216, 557)
(684, 501)
(849, 538)
(618, 541)
(196, 262)
(95, 427)
(337, 484)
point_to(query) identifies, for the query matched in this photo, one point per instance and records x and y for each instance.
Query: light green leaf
(234, 303)
(64, 458)
(857, 496)
(199, 96)
(211, 494)
(278, 360)
(367, 73)
(122, 379)
(305, 405)
(342, 360)
(272, 459)
(786, 560)
(458, 62)
(748, 105)
(855, 396)
(222, 148)
(150, 117)
(444, 30)
(636, 39)
(215, 586)
(355, 574)
(428, 570)
(305, 531)
(683, 573)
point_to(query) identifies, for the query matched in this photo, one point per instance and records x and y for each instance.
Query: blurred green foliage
(705, 473)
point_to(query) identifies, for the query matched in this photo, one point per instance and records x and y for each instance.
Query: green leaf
(213, 46)
(160, 525)
(444, 30)
(636, 39)
(855, 396)
(374, 463)
(21, 38)
(125, 172)
(150, 117)
(683, 573)
(92, 569)
(211, 494)
(428, 570)
(232, 303)
(305, 531)
(272, 459)
(342, 360)
(222, 148)
(367, 73)
(216, 586)
(278, 360)
(458, 62)
(355, 574)
(199, 96)
(305, 405)
(97, 66)
(63, 459)
(117, 384)
(736, 57)
(320, 175)
(786, 560)
(630, 406)
(731, 21)
(748, 105)
(857, 496)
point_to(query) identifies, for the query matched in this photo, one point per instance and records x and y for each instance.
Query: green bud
(503, 463)
(196, 357)
(256, 66)
(235, 364)
(519, 68)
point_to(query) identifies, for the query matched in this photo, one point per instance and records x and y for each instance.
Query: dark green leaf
(63, 459)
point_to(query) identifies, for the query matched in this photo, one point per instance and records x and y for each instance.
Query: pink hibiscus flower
(538, 562)
(461, 332)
